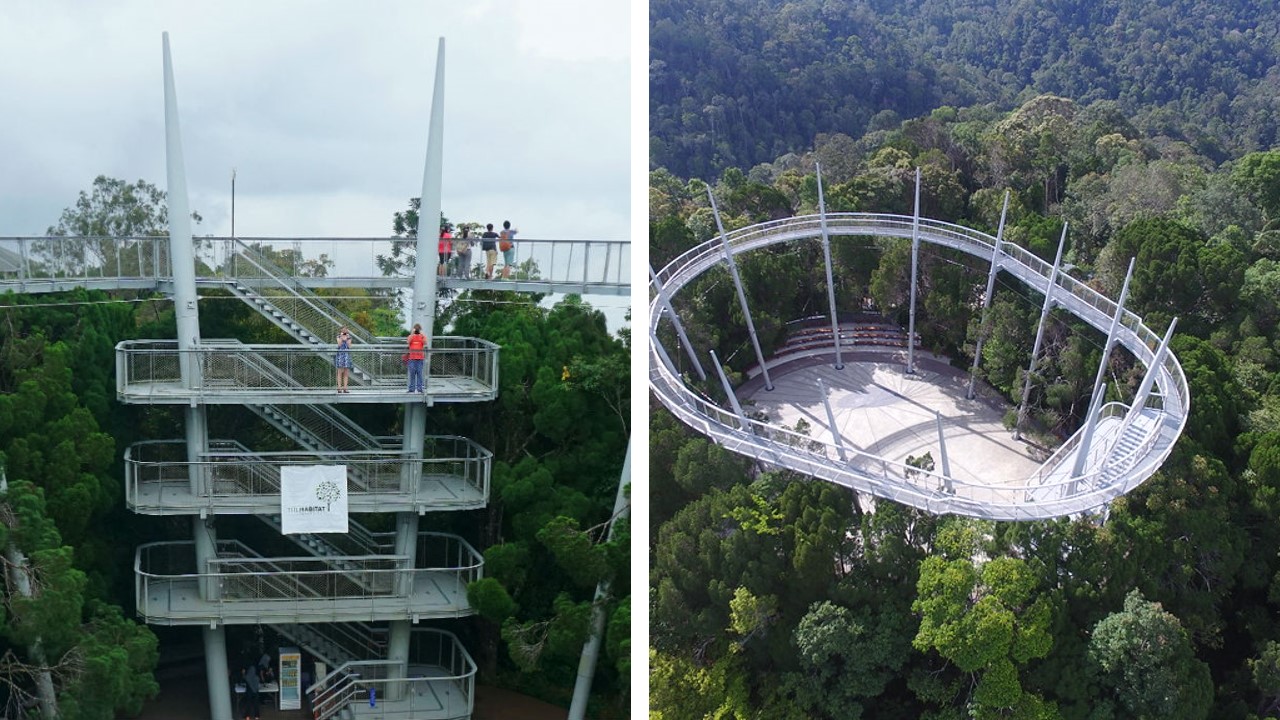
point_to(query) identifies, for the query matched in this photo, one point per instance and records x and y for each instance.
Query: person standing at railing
(416, 356)
(462, 246)
(342, 360)
(489, 244)
(507, 244)
(444, 249)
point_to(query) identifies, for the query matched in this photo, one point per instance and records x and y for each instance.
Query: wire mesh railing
(318, 427)
(579, 265)
(883, 477)
(294, 585)
(439, 684)
(150, 370)
(338, 643)
(156, 472)
(293, 299)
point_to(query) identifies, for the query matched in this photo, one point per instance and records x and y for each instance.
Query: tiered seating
(853, 334)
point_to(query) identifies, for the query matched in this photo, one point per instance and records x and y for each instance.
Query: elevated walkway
(52, 264)
(1144, 439)
(232, 373)
(243, 587)
(231, 480)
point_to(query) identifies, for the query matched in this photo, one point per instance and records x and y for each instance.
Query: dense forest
(740, 82)
(558, 432)
(774, 596)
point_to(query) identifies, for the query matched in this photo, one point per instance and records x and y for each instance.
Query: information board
(290, 678)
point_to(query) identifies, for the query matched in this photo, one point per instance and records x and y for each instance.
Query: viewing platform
(1128, 444)
(243, 587)
(227, 372)
(231, 480)
(439, 683)
(36, 264)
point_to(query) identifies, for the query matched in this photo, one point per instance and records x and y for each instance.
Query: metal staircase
(327, 597)
(287, 303)
(318, 427)
(337, 643)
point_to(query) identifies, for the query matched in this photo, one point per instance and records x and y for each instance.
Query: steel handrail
(724, 427)
(230, 367)
(339, 686)
(577, 263)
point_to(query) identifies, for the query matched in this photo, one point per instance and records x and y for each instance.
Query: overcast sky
(322, 108)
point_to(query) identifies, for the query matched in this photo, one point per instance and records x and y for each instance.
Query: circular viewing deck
(1128, 446)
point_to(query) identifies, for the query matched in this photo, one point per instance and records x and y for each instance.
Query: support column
(1144, 389)
(662, 354)
(675, 320)
(1091, 422)
(915, 257)
(986, 299)
(942, 450)
(1095, 406)
(423, 312)
(1035, 349)
(591, 650)
(728, 390)
(742, 297)
(826, 257)
(831, 421)
(182, 256)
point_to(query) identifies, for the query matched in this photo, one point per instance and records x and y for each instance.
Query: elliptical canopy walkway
(1128, 447)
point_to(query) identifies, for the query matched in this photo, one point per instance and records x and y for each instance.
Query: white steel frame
(1149, 430)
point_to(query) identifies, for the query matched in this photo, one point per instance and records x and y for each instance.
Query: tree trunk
(19, 576)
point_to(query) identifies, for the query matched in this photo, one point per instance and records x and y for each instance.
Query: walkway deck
(438, 390)
(1138, 453)
(175, 497)
(177, 601)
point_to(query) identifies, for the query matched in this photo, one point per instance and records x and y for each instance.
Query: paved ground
(881, 410)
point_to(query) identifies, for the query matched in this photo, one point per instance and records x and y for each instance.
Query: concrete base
(880, 410)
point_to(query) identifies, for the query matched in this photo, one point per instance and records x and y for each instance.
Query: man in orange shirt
(417, 355)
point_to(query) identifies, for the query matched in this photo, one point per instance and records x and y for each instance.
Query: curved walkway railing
(1050, 492)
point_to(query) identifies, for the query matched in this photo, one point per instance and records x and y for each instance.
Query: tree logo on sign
(327, 492)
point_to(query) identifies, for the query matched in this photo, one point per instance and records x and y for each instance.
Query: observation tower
(883, 410)
(352, 600)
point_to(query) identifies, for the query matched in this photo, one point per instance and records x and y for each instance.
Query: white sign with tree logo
(313, 499)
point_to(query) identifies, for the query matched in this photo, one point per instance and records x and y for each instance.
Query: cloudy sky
(322, 109)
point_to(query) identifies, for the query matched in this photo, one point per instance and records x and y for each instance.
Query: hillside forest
(775, 596)
(558, 433)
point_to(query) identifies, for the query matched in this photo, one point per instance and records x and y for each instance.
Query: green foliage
(508, 563)
(847, 658)
(681, 690)
(1085, 126)
(585, 562)
(726, 93)
(119, 656)
(618, 637)
(987, 620)
(490, 599)
(1149, 664)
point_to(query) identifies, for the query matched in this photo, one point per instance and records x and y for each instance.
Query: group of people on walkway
(491, 243)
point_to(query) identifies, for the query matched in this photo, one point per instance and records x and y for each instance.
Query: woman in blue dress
(342, 360)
